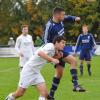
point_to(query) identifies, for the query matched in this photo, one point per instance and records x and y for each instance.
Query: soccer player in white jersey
(31, 75)
(24, 46)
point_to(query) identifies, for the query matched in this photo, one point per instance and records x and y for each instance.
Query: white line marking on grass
(7, 70)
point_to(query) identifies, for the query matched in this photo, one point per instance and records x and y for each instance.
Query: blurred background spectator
(11, 42)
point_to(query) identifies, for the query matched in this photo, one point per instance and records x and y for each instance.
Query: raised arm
(71, 18)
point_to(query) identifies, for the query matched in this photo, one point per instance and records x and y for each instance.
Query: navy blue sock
(54, 87)
(81, 69)
(74, 77)
(89, 69)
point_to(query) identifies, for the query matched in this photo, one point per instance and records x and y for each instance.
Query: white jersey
(24, 44)
(30, 74)
(36, 62)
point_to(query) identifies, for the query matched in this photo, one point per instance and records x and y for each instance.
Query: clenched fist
(58, 55)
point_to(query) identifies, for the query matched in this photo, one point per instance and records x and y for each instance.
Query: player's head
(85, 29)
(58, 13)
(24, 29)
(59, 42)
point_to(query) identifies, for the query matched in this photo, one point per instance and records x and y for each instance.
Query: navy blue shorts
(85, 55)
(65, 53)
(62, 62)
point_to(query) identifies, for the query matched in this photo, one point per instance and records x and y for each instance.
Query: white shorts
(29, 77)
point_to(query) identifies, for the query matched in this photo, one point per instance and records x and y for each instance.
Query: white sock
(11, 96)
(42, 98)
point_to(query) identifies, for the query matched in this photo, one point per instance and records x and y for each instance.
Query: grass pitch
(9, 77)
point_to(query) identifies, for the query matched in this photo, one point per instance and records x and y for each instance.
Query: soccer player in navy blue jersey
(87, 43)
(55, 27)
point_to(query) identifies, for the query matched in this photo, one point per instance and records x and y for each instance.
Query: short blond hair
(85, 26)
(24, 25)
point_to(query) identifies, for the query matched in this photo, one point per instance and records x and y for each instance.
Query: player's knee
(74, 62)
(59, 72)
(59, 75)
(88, 62)
(81, 63)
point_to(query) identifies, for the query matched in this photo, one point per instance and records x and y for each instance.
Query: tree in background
(14, 13)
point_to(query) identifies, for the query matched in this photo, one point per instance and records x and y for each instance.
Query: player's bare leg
(42, 90)
(18, 93)
(59, 72)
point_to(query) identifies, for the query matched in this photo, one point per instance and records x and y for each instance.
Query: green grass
(9, 75)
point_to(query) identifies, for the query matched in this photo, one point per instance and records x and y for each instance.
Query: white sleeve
(17, 45)
(94, 43)
(48, 49)
(32, 44)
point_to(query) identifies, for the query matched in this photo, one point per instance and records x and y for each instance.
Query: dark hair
(57, 10)
(58, 39)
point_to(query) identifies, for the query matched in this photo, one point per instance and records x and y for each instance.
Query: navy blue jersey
(53, 29)
(86, 42)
